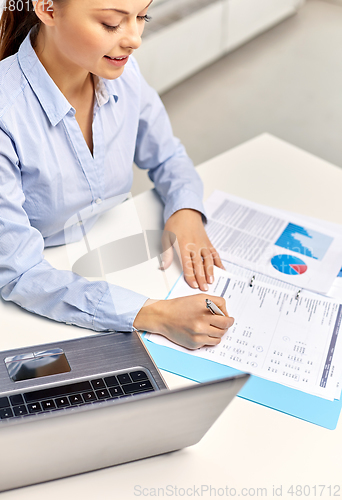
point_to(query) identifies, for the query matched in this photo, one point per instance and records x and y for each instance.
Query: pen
(213, 308)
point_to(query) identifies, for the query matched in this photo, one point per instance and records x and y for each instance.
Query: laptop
(80, 405)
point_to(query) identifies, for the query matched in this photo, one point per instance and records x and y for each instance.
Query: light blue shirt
(48, 176)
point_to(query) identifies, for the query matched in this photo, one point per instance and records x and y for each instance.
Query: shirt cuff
(117, 309)
(185, 198)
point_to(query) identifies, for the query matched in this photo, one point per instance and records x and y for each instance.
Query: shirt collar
(102, 90)
(52, 100)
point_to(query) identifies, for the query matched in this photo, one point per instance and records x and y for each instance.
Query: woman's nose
(131, 37)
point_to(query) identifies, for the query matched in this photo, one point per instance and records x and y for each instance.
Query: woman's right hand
(185, 320)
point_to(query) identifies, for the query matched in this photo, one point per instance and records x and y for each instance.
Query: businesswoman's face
(97, 35)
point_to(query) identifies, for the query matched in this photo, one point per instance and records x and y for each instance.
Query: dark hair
(14, 25)
(18, 17)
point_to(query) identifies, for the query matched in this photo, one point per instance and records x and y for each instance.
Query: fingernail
(211, 279)
(195, 284)
(162, 265)
(206, 288)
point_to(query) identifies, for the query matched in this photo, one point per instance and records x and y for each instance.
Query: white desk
(250, 446)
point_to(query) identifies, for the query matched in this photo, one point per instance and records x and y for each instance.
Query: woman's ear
(45, 11)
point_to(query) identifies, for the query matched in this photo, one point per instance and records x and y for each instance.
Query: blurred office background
(228, 70)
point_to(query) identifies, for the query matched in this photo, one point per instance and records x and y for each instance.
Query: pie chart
(287, 264)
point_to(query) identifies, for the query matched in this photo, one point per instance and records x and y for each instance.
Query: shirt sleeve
(27, 279)
(169, 167)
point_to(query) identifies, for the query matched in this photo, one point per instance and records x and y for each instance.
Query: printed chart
(288, 264)
(250, 235)
(304, 241)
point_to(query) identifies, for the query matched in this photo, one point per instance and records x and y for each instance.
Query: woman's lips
(117, 61)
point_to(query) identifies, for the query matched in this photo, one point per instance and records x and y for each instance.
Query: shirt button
(98, 201)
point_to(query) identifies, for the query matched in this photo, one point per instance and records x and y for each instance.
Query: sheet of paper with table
(275, 336)
(279, 335)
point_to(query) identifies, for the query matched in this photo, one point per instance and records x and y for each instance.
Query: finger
(169, 243)
(211, 341)
(166, 256)
(216, 258)
(199, 272)
(214, 326)
(208, 265)
(199, 341)
(188, 267)
(221, 323)
(220, 302)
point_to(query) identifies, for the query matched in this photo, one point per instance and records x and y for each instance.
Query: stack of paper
(284, 331)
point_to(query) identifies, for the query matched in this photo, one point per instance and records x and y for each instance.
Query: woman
(75, 113)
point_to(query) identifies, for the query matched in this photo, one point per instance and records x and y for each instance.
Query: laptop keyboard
(76, 394)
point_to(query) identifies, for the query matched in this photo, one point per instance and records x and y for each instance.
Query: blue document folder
(279, 397)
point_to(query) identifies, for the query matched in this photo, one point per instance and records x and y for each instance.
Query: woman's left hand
(195, 251)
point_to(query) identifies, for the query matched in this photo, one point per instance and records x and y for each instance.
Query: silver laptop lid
(59, 444)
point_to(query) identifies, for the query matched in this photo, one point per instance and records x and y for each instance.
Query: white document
(275, 336)
(336, 289)
(281, 245)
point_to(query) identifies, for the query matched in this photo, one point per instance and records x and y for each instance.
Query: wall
(185, 35)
